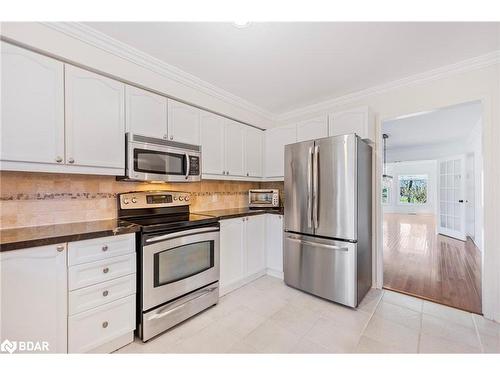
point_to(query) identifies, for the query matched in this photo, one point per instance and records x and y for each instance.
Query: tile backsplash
(31, 199)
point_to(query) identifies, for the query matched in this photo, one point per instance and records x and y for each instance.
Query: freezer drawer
(326, 268)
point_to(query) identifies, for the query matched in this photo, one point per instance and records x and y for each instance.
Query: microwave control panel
(194, 165)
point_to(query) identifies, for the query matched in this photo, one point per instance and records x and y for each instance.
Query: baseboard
(238, 284)
(275, 273)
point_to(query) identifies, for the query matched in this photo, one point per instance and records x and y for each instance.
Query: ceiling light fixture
(241, 24)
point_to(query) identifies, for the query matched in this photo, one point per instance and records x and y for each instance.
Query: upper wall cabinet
(358, 120)
(235, 148)
(146, 112)
(95, 120)
(212, 129)
(253, 152)
(32, 107)
(183, 123)
(276, 139)
(312, 129)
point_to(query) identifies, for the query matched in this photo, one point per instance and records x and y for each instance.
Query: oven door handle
(166, 311)
(183, 233)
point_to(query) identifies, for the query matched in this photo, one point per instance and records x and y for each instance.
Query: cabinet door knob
(248, 174)
(171, 137)
(59, 159)
(105, 324)
(71, 160)
(105, 270)
(165, 137)
(60, 248)
(105, 293)
(105, 248)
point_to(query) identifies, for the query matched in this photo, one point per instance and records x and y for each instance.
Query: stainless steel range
(178, 259)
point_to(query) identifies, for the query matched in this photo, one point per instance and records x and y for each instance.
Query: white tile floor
(266, 316)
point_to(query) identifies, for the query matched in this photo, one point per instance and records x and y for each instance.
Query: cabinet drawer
(92, 328)
(100, 248)
(92, 296)
(87, 274)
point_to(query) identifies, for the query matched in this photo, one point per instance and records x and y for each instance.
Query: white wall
(422, 167)
(426, 152)
(478, 79)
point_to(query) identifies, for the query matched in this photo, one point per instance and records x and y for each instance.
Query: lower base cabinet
(34, 299)
(249, 248)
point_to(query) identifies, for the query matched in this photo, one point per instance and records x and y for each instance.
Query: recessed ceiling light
(241, 24)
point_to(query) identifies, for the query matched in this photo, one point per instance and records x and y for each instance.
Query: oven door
(151, 162)
(175, 264)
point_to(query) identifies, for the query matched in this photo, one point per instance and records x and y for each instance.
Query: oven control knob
(181, 198)
(175, 197)
(125, 201)
(186, 198)
(134, 200)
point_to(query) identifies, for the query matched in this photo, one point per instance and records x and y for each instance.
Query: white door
(34, 296)
(253, 152)
(312, 129)
(146, 112)
(183, 123)
(255, 244)
(232, 261)
(274, 243)
(95, 120)
(235, 161)
(356, 120)
(275, 141)
(451, 220)
(212, 143)
(32, 106)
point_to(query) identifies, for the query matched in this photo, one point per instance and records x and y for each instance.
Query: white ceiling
(284, 66)
(450, 124)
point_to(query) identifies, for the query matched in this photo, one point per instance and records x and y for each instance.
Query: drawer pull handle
(105, 270)
(105, 293)
(104, 324)
(60, 248)
(105, 248)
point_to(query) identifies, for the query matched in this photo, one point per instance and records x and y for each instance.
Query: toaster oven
(259, 198)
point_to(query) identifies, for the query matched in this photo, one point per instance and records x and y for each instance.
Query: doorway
(432, 205)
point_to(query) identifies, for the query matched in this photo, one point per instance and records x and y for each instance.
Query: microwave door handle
(188, 166)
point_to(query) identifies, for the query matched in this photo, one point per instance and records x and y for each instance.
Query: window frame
(423, 176)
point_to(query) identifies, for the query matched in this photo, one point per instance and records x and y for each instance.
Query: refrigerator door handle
(309, 188)
(315, 186)
(318, 244)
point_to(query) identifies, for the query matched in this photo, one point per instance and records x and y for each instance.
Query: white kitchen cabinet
(312, 129)
(32, 107)
(183, 123)
(146, 112)
(253, 152)
(274, 244)
(276, 139)
(212, 129)
(235, 148)
(357, 120)
(232, 255)
(34, 296)
(255, 244)
(95, 120)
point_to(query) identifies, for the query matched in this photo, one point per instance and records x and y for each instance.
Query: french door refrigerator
(328, 218)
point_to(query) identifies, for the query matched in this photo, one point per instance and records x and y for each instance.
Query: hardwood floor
(419, 262)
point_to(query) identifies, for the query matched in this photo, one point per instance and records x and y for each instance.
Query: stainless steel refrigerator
(328, 218)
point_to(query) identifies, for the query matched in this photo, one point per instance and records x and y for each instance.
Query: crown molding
(474, 63)
(95, 38)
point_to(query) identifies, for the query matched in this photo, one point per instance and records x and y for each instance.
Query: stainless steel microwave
(156, 159)
(258, 198)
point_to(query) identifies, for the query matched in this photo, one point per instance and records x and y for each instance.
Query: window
(413, 189)
(386, 195)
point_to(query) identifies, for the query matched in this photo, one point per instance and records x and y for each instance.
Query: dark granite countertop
(231, 213)
(20, 238)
